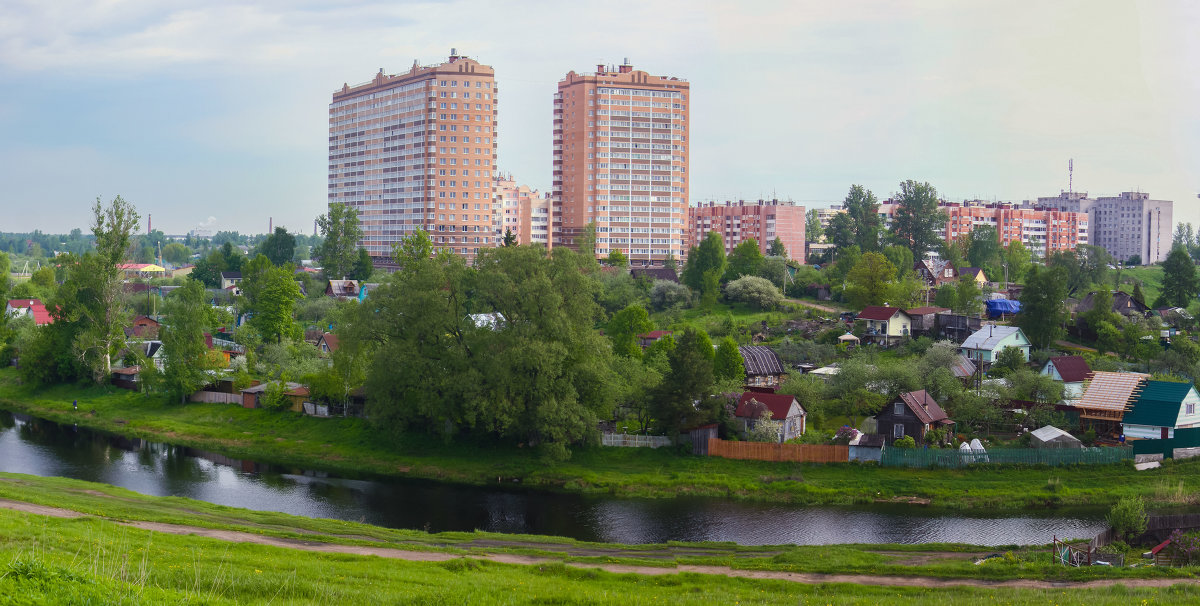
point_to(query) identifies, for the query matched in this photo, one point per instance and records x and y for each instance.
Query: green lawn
(1149, 275)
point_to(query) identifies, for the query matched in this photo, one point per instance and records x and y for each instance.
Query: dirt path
(433, 556)
(817, 306)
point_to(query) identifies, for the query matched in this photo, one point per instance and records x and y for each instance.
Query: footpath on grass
(510, 558)
(350, 446)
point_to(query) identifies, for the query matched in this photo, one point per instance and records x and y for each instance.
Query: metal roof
(990, 336)
(760, 360)
(1157, 405)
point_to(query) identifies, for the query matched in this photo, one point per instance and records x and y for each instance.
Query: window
(1191, 409)
(899, 409)
(897, 431)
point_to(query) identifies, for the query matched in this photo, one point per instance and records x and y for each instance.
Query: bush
(666, 294)
(273, 397)
(905, 442)
(754, 291)
(1128, 517)
(1184, 549)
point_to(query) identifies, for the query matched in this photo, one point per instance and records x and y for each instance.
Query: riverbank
(349, 446)
(947, 564)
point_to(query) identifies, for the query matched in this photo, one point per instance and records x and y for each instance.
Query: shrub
(754, 291)
(1184, 549)
(1128, 517)
(905, 442)
(666, 294)
(273, 397)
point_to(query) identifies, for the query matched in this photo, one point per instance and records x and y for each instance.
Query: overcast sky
(214, 113)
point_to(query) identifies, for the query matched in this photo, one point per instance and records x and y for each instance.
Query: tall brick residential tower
(417, 150)
(621, 162)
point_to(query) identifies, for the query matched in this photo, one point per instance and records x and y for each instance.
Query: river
(39, 447)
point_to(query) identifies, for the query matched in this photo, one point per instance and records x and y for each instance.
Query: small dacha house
(912, 414)
(784, 408)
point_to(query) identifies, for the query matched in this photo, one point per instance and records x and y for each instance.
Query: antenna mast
(1071, 176)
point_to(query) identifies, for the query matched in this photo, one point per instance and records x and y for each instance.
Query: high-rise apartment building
(417, 150)
(1125, 225)
(621, 162)
(523, 211)
(1042, 231)
(739, 221)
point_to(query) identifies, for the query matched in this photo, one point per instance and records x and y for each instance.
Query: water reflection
(39, 447)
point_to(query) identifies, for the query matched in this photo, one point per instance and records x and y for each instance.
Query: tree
(624, 328)
(1134, 260)
(743, 260)
(1018, 259)
(1138, 295)
(917, 217)
(727, 362)
(1128, 517)
(764, 428)
(754, 290)
(100, 293)
(871, 281)
(901, 257)
(1101, 311)
(275, 304)
(813, 230)
(774, 269)
(279, 246)
(666, 294)
(687, 381)
(185, 365)
(342, 233)
(841, 231)
(966, 296)
(1108, 337)
(1180, 284)
(705, 266)
(983, 248)
(5, 272)
(1043, 313)
(777, 249)
(954, 252)
(617, 258)
(1007, 361)
(363, 266)
(862, 210)
(947, 296)
(510, 239)
(176, 253)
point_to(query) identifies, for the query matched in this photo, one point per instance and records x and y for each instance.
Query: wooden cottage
(1072, 371)
(1160, 408)
(885, 325)
(912, 414)
(1106, 397)
(763, 366)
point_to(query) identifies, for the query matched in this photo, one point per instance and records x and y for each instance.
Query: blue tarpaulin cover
(999, 307)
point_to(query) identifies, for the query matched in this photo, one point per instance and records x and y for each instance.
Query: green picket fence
(936, 457)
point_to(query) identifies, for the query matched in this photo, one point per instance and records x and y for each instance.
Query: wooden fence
(770, 451)
(216, 397)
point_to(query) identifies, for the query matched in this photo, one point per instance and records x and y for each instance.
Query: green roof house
(1160, 408)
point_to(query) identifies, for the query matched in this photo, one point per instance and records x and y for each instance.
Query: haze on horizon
(215, 114)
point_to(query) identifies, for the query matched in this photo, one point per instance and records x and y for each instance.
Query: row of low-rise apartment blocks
(763, 220)
(1041, 231)
(417, 150)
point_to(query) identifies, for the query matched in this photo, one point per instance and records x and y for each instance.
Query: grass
(1149, 275)
(349, 446)
(88, 560)
(95, 552)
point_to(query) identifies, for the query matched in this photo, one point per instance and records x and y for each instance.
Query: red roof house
(29, 307)
(784, 408)
(885, 325)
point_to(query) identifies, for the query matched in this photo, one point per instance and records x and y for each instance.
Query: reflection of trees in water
(6, 420)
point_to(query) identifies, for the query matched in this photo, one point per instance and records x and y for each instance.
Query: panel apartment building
(523, 211)
(763, 220)
(621, 162)
(417, 150)
(1125, 225)
(1041, 230)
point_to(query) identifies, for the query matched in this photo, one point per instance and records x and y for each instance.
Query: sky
(215, 114)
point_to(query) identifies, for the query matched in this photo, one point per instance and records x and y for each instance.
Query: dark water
(40, 447)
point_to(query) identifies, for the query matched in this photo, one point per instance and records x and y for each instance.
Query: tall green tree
(777, 249)
(510, 239)
(1018, 259)
(342, 233)
(363, 266)
(967, 297)
(813, 230)
(705, 266)
(901, 257)
(687, 381)
(176, 253)
(279, 246)
(275, 304)
(185, 367)
(1180, 284)
(871, 281)
(100, 294)
(727, 361)
(624, 328)
(1043, 311)
(984, 250)
(917, 218)
(841, 231)
(862, 210)
(743, 260)
(5, 274)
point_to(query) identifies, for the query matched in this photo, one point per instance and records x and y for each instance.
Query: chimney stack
(626, 67)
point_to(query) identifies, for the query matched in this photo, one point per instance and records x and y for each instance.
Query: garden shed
(1053, 437)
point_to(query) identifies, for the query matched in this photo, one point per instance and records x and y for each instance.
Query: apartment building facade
(621, 162)
(523, 211)
(417, 150)
(763, 220)
(1041, 230)
(1125, 225)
